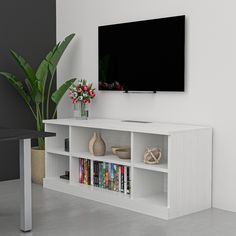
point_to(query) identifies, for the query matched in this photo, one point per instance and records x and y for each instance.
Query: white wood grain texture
(190, 171)
(112, 124)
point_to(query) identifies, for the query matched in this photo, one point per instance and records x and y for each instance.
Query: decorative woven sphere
(152, 155)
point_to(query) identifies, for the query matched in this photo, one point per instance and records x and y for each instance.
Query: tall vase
(81, 111)
(99, 146)
(91, 142)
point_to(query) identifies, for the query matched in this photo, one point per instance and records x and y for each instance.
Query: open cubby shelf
(180, 184)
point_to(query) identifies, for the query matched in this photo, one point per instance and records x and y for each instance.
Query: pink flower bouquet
(81, 91)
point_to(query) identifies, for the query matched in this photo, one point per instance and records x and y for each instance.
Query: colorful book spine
(116, 178)
(119, 178)
(128, 180)
(125, 179)
(100, 174)
(91, 172)
(88, 172)
(85, 171)
(122, 170)
(107, 175)
(112, 177)
(103, 174)
(96, 182)
(82, 170)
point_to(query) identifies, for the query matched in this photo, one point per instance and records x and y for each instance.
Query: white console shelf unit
(179, 185)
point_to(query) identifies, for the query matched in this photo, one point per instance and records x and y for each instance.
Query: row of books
(105, 175)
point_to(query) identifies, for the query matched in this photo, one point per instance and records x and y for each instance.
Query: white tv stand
(179, 185)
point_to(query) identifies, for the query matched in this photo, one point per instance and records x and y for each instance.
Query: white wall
(210, 72)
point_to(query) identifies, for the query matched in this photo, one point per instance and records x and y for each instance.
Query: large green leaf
(41, 75)
(34, 93)
(31, 79)
(55, 55)
(29, 73)
(58, 94)
(17, 85)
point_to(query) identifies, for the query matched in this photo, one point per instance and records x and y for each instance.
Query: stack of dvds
(105, 175)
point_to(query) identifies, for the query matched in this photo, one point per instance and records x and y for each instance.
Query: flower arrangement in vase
(81, 93)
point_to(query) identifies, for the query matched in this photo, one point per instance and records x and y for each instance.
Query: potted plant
(36, 90)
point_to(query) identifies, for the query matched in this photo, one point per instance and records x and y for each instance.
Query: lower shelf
(154, 206)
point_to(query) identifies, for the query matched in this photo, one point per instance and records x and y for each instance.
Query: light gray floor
(57, 214)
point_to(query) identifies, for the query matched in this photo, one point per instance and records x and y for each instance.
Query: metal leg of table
(25, 186)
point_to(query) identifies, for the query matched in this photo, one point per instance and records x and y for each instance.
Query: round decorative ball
(152, 155)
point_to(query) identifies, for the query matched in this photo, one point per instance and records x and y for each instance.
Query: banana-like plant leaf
(34, 93)
(55, 55)
(17, 85)
(29, 73)
(41, 75)
(58, 94)
(50, 54)
(31, 79)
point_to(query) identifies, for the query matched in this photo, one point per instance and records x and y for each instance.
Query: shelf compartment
(149, 185)
(56, 165)
(107, 158)
(57, 142)
(159, 167)
(157, 206)
(86, 191)
(81, 136)
(141, 141)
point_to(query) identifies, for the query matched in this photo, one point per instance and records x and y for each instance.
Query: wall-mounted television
(142, 56)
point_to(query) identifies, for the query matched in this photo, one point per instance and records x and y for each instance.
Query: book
(128, 180)
(122, 170)
(91, 172)
(96, 181)
(107, 175)
(88, 172)
(100, 174)
(116, 178)
(103, 166)
(111, 174)
(85, 171)
(81, 170)
(125, 179)
(119, 178)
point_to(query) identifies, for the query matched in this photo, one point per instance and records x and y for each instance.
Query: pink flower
(74, 101)
(86, 101)
(91, 93)
(79, 90)
(85, 87)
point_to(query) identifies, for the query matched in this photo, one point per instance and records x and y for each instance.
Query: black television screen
(142, 56)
